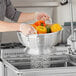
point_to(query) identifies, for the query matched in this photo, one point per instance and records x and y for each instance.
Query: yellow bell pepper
(56, 28)
(41, 30)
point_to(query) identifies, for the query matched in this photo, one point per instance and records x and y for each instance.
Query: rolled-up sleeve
(11, 12)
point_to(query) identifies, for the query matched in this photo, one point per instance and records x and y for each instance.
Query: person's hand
(41, 16)
(27, 29)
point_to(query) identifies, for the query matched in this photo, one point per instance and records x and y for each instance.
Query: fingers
(42, 16)
(27, 29)
(30, 31)
(45, 15)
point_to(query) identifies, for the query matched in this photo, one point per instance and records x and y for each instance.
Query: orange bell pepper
(40, 23)
(41, 29)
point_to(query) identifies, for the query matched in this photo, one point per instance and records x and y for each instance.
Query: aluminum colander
(40, 43)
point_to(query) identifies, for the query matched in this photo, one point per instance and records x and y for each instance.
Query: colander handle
(34, 30)
(19, 37)
(50, 19)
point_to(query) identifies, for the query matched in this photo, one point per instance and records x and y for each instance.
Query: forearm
(24, 17)
(5, 26)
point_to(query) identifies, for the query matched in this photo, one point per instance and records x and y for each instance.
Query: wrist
(16, 26)
(13, 26)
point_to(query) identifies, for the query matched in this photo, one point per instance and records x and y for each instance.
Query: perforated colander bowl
(40, 41)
